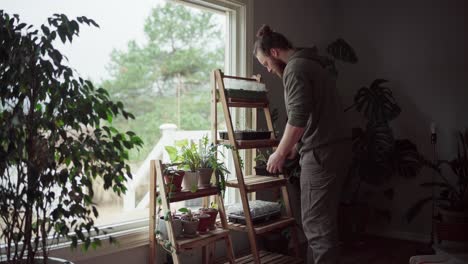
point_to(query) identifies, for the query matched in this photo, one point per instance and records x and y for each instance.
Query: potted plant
(56, 139)
(212, 211)
(204, 222)
(207, 153)
(186, 154)
(189, 222)
(261, 167)
(173, 178)
(452, 198)
(176, 226)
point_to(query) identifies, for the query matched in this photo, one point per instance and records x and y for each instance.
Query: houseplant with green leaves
(191, 157)
(56, 139)
(376, 156)
(451, 197)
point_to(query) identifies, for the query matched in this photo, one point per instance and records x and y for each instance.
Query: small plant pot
(174, 182)
(190, 226)
(246, 135)
(190, 182)
(262, 171)
(204, 179)
(204, 222)
(212, 212)
(176, 226)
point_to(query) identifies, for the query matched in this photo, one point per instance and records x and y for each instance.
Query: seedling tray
(260, 211)
(246, 135)
(246, 94)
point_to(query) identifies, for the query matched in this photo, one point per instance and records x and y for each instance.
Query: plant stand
(173, 245)
(252, 183)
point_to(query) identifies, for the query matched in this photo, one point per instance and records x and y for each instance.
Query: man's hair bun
(264, 31)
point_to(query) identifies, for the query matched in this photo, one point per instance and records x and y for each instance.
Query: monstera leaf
(341, 50)
(376, 102)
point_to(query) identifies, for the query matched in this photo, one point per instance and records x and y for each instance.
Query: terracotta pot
(190, 182)
(176, 226)
(212, 212)
(204, 179)
(176, 181)
(190, 226)
(204, 222)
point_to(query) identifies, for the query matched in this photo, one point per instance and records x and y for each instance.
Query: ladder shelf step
(265, 227)
(187, 195)
(250, 144)
(253, 183)
(184, 244)
(239, 102)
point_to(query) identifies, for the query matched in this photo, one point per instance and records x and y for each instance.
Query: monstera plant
(377, 155)
(56, 139)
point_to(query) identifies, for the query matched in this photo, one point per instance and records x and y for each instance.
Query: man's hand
(275, 162)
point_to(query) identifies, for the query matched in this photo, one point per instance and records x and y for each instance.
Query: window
(158, 66)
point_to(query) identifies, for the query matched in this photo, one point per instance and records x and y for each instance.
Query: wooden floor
(378, 250)
(269, 257)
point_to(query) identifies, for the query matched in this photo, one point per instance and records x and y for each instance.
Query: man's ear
(274, 53)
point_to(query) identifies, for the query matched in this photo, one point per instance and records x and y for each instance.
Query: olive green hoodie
(312, 101)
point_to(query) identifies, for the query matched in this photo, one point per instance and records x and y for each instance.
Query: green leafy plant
(185, 153)
(453, 194)
(377, 155)
(56, 139)
(187, 214)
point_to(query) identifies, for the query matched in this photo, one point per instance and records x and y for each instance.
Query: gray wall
(419, 46)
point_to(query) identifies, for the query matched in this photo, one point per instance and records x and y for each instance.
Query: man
(316, 130)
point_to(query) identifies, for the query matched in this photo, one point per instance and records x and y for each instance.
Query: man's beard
(279, 67)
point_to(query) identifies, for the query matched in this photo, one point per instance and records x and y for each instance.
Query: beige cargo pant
(321, 185)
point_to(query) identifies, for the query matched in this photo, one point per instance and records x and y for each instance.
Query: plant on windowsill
(56, 139)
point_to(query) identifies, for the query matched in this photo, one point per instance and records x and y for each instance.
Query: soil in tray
(246, 94)
(246, 135)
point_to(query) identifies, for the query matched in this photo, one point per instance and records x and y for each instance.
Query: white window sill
(126, 240)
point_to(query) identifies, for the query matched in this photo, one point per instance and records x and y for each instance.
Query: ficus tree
(56, 139)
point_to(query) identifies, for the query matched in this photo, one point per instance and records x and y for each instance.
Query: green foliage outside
(183, 46)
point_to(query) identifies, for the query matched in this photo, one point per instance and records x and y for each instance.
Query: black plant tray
(246, 135)
(255, 220)
(246, 95)
(262, 171)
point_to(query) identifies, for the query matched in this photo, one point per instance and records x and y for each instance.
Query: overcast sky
(119, 21)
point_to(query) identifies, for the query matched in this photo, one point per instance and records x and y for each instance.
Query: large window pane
(156, 58)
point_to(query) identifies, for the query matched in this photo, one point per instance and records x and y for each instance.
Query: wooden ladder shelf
(173, 245)
(252, 183)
